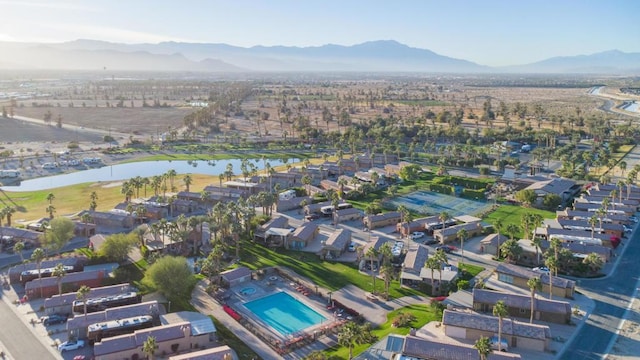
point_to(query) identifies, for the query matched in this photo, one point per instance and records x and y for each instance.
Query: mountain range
(373, 56)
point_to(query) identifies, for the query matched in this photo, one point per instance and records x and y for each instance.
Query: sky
(488, 32)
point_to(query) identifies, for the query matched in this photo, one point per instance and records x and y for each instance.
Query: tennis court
(432, 203)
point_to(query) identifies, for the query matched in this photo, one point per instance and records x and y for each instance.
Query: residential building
(450, 234)
(381, 220)
(46, 287)
(427, 349)
(519, 306)
(349, 214)
(236, 276)
(302, 236)
(336, 244)
(518, 276)
(470, 326)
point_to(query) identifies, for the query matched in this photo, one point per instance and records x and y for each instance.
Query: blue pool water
(284, 313)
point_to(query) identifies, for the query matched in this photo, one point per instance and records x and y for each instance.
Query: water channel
(144, 169)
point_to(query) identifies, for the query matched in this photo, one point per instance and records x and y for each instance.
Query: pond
(143, 169)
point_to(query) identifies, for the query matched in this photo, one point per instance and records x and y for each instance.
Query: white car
(71, 345)
(541, 269)
(417, 235)
(504, 345)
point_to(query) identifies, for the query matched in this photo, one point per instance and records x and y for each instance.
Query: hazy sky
(489, 32)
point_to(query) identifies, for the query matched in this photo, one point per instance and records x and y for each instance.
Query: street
(18, 338)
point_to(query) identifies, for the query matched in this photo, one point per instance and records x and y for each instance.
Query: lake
(143, 169)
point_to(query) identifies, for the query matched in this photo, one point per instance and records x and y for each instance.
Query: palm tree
(8, 212)
(83, 295)
(441, 256)
(536, 242)
(352, 334)
(50, 198)
(500, 310)
(593, 220)
(388, 273)
(444, 217)
(19, 247)
(462, 235)
(483, 345)
(534, 284)
(593, 262)
(551, 263)
(149, 347)
(511, 249)
(59, 272)
(37, 256)
(497, 224)
(432, 264)
(50, 210)
(372, 253)
(187, 181)
(512, 230)
(85, 218)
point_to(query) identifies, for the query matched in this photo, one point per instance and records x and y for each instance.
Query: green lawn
(327, 274)
(511, 214)
(423, 314)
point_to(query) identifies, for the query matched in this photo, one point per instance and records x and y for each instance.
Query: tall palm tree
(441, 256)
(352, 333)
(187, 181)
(537, 242)
(8, 212)
(50, 198)
(462, 235)
(512, 230)
(444, 217)
(500, 310)
(551, 263)
(388, 273)
(59, 273)
(19, 247)
(372, 253)
(483, 345)
(534, 284)
(83, 295)
(497, 224)
(37, 256)
(432, 264)
(50, 210)
(593, 220)
(149, 347)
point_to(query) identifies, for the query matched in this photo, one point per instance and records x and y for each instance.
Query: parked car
(541, 269)
(504, 345)
(71, 345)
(446, 248)
(352, 247)
(53, 319)
(431, 241)
(311, 217)
(417, 235)
(627, 229)
(633, 219)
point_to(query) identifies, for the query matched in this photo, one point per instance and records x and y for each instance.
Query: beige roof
(520, 301)
(339, 239)
(490, 323)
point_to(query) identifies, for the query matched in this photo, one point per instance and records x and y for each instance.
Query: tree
(83, 295)
(8, 212)
(551, 201)
(593, 262)
(59, 233)
(19, 247)
(500, 310)
(483, 345)
(59, 273)
(50, 210)
(187, 181)
(37, 256)
(444, 217)
(352, 333)
(534, 285)
(511, 249)
(149, 347)
(372, 253)
(50, 198)
(432, 264)
(526, 197)
(172, 276)
(462, 235)
(497, 224)
(116, 247)
(512, 230)
(551, 263)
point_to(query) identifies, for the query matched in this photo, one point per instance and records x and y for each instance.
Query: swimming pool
(284, 313)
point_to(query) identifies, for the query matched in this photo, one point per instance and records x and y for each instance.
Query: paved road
(18, 339)
(612, 296)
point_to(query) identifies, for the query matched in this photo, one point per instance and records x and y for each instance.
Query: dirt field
(141, 121)
(16, 131)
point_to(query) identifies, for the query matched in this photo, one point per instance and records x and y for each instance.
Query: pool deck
(351, 296)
